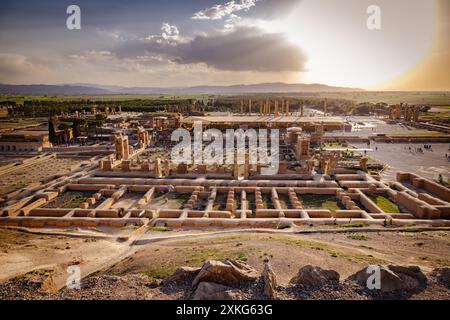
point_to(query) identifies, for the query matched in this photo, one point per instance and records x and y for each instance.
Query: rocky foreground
(236, 280)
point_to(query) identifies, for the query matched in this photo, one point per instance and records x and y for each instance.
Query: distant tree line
(39, 108)
(335, 106)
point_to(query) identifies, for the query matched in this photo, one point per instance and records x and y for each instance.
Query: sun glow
(342, 51)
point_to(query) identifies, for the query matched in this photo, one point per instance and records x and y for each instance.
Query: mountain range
(93, 89)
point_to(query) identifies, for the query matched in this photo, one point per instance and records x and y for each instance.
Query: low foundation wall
(426, 184)
(41, 222)
(419, 208)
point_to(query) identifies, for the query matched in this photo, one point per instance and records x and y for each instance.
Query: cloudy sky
(221, 42)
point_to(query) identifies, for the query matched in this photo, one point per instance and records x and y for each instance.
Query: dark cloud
(242, 49)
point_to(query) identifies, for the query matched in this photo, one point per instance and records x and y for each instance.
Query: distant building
(24, 140)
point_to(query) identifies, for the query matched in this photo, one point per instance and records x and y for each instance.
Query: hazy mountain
(44, 89)
(94, 89)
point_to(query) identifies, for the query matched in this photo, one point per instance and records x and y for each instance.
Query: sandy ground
(132, 269)
(22, 252)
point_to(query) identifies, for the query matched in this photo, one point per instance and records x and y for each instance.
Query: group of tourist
(416, 150)
(419, 149)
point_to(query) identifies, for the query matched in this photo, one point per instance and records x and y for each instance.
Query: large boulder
(228, 272)
(443, 275)
(392, 278)
(269, 280)
(314, 276)
(214, 291)
(182, 274)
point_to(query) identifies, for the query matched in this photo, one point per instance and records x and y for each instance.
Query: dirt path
(158, 254)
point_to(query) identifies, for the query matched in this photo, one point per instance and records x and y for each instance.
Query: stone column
(247, 166)
(287, 107)
(167, 167)
(126, 148)
(310, 166)
(276, 108)
(363, 163)
(157, 168)
(326, 166)
(235, 170)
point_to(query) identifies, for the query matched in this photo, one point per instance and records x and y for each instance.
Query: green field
(393, 97)
(321, 202)
(21, 123)
(435, 116)
(441, 99)
(21, 99)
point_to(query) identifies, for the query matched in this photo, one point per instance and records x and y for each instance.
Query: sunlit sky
(219, 42)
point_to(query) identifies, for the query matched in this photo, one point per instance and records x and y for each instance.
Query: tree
(52, 125)
(66, 127)
(77, 123)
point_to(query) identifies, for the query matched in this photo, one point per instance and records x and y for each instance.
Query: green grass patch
(354, 225)
(385, 204)
(194, 260)
(332, 251)
(409, 225)
(284, 200)
(337, 145)
(159, 229)
(182, 198)
(357, 237)
(283, 226)
(159, 272)
(321, 202)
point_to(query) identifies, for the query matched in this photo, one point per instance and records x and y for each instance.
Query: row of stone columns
(408, 113)
(265, 108)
